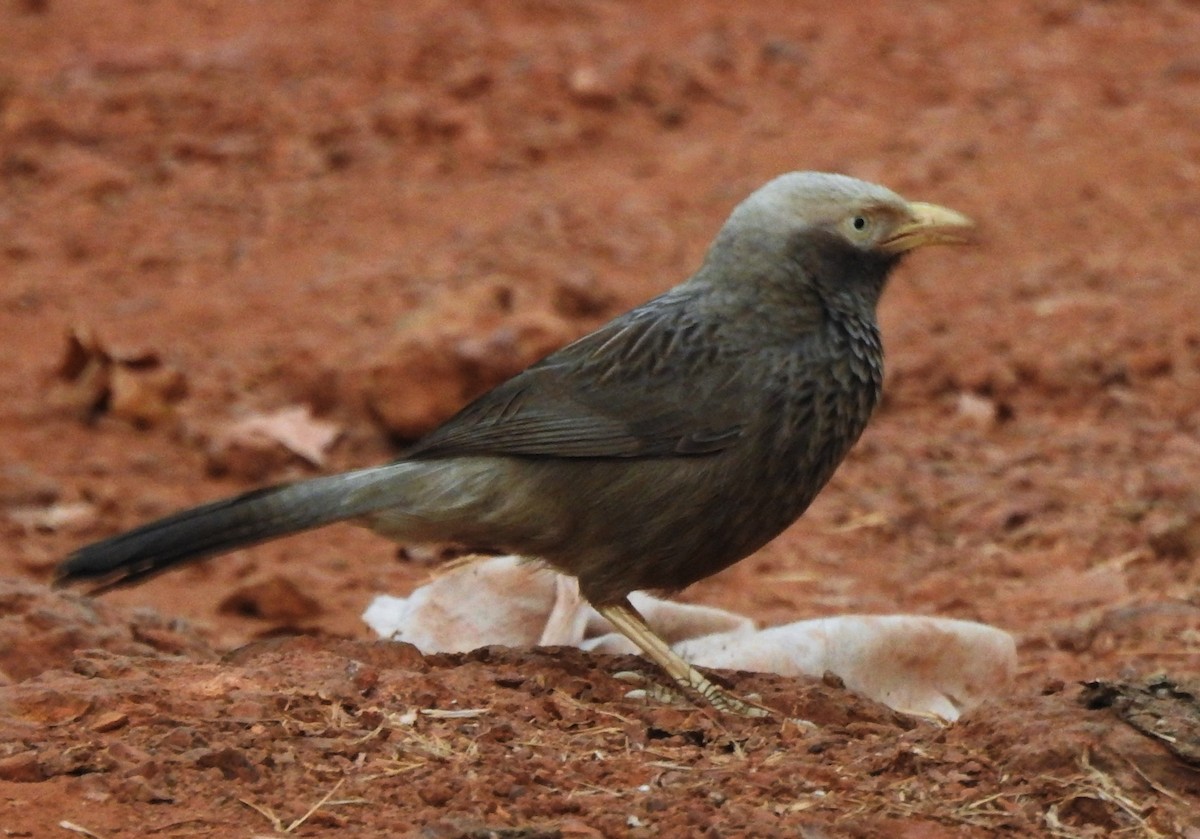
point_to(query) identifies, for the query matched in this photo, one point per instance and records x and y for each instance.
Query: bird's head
(842, 234)
(864, 215)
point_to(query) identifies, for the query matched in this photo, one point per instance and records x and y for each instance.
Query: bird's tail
(236, 522)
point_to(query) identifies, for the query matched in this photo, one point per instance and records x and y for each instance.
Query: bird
(665, 446)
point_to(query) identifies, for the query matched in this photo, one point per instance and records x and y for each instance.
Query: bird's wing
(649, 384)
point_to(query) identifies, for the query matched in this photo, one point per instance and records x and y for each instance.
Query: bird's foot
(721, 699)
(648, 690)
(731, 703)
(626, 620)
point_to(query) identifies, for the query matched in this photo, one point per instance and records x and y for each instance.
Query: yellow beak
(928, 224)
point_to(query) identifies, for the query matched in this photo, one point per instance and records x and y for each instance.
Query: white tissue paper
(912, 663)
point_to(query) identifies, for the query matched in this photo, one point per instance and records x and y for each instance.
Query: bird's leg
(633, 626)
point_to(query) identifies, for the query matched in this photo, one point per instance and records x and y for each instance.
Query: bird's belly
(619, 525)
(664, 524)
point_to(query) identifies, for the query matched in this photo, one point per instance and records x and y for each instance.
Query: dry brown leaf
(135, 385)
(295, 429)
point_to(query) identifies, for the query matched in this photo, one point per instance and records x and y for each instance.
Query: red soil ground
(377, 209)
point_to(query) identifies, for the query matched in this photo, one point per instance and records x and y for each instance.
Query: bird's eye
(858, 228)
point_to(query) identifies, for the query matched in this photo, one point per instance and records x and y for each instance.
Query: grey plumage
(658, 450)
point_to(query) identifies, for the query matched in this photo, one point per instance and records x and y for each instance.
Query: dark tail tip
(228, 524)
(183, 537)
(104, 570)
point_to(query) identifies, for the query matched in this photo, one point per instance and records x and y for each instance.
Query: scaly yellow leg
(633, 626)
